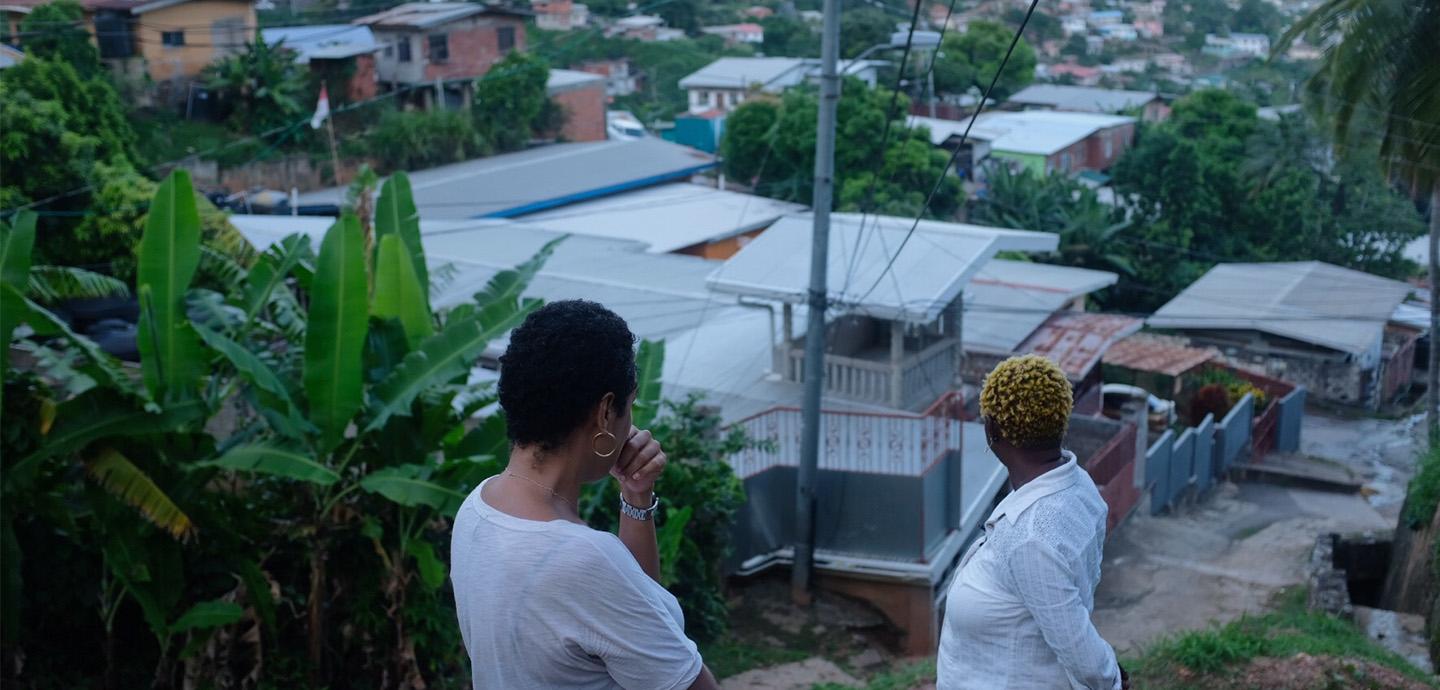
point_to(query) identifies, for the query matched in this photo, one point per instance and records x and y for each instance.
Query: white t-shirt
(559, 605)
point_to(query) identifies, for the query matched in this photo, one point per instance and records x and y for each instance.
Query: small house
(559, 15)
(340, 51)
(726, 83)
(582, 96)
(736, 34)
(619, 79)
(1054, 141)
(1327, 328)
(164, 40)
(446, 45)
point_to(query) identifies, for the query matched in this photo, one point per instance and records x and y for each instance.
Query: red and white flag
(322, 109)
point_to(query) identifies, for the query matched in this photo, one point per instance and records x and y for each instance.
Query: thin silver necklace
(552, 491)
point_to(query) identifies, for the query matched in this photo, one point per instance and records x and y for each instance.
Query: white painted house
(725, 83)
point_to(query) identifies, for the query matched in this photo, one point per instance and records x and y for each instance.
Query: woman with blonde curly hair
(1018, 612)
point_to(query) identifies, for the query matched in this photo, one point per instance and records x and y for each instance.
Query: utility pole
(801, 575)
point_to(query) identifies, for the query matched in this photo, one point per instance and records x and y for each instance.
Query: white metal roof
(926, 276)
(1042, 132)
(530, 181)
(1309, 301)
(1007, 300)
(1085, 99)
(773, 74)
(562, 80)
(668, 217)
(323, 41)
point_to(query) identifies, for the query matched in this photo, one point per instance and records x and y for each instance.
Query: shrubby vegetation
(267, 503)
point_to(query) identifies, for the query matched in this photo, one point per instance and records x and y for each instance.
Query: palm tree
(1379, 65)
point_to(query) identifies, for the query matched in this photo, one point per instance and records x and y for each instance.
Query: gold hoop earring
(615, 444)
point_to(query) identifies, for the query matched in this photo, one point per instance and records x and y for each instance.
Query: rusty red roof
(1077, 340)
(1166, 355)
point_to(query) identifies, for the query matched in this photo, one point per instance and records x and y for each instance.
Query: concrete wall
(1330, 375)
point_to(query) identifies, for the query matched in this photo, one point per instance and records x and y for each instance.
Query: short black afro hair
(560, 362)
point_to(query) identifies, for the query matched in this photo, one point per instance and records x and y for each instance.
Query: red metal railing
(1113, 469)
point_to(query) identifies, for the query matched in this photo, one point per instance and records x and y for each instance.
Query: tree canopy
(971, 60)
(56, 31)
(509, 100)
(770, 143)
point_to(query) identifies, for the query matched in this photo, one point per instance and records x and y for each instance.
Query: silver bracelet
(641, 514)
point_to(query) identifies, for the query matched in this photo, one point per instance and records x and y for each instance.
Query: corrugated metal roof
(668, 217)
(1309, 301)
(1156, 353)
(323, 41)
(562, 80)
(1041, 132)
(421, 15)
(1076, 340)
(1007, 300)
(926, 276)
(1083, 99)
(773, 74)
(530, 181)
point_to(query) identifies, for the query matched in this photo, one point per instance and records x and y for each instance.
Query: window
(404, 47)
(439, 47)
(228, 35)
(172, 39)
(1109, 146)
(1065, 162)
(505, 38)
(389, 50)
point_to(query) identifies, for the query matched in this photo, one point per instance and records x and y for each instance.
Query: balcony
(900, 378)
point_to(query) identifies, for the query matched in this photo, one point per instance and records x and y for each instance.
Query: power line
(940, 180)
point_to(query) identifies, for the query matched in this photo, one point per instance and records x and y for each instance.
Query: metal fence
(1287, 427)
(1232, 435)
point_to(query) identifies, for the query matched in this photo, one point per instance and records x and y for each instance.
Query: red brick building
(582, 95)
(446, 44)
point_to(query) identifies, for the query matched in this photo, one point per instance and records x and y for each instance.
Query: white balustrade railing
(904, 445)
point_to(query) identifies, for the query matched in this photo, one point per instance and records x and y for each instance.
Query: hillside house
(1150, 107)
(643, 27)
(168, 41)
(1054, 141)
(1327, 328)
(736, 34)
(619, 79)
(1079, 75)
(725, 83)
(333, 51)
(446, 45)
(582, 96)
(1237, 45)
(559, 15)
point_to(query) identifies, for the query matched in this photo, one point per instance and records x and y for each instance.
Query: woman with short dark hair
(1018, 612)
(543, 600)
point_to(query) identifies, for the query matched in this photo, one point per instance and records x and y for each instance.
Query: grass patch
(731, 657)
(899, 678)
(1423, 494)
(1288, 630)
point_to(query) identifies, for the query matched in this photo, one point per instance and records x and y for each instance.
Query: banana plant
(381, 408)
(131, 440)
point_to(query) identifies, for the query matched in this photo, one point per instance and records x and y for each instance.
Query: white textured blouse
(1018, 613)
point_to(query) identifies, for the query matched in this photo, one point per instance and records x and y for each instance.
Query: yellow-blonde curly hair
(1029, 400)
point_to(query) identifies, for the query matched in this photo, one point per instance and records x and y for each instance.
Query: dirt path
(1230, 553)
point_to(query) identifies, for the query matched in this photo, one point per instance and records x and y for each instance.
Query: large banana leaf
(44, 321)
(395, 214)
(276, 461)
(335, 334)
(271, 269)
(169, 255)
(16, 242)
(99, 413)
(649, 363)
(440, 358)
(257, 373)
(17, 239)
(432, 571)
(49, 284)
(502, 293)
(403, 485)
(399, 294)
(208, 614)
(128, 483)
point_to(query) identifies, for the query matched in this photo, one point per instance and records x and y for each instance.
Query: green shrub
(1424, 491)
(423, 139)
